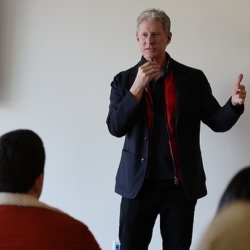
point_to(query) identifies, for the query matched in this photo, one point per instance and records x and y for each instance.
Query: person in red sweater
(25, 222)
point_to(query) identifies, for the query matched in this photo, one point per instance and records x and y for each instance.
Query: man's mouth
(150, 49)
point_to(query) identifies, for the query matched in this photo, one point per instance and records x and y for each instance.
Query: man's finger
(240, 77)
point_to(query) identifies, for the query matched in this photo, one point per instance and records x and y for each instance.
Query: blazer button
(145, 138)
(142, 159)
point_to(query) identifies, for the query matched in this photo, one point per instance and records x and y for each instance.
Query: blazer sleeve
(123, 108)
(219, 119)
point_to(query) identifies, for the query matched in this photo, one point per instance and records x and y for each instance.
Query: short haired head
(22, 158)
(155, 14)
(237, 189)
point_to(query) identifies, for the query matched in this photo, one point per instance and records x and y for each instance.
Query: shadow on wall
(7, 32)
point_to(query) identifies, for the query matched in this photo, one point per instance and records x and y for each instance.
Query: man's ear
(169, 37)
(36, 189)
(137, 37)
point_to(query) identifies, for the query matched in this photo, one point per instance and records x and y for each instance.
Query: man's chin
(148, 56)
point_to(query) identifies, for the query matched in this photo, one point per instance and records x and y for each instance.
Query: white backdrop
(57, 60)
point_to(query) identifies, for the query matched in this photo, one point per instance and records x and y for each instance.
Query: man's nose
(150, 39)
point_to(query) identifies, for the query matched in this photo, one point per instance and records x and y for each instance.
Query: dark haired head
(237, 189)
(22, 159)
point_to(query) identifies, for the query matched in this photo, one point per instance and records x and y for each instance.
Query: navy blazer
(195, 103)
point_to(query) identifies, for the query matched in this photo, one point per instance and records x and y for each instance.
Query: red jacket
(27, 224)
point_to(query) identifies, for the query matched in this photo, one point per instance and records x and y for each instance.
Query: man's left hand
(238, 93)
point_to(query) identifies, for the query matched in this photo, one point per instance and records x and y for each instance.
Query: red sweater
(27, 227)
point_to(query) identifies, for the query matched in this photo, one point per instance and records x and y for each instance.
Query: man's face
(152, 39)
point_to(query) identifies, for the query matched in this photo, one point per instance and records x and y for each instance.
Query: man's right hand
(145, 74)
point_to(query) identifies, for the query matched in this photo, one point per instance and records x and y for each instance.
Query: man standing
(25, 222)
(158, 106)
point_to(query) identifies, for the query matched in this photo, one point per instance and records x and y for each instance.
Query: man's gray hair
(155, 14)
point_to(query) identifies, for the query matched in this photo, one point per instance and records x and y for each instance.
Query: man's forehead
(150, 25)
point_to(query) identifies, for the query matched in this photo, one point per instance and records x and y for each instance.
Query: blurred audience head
(237, 189)
(22, 158)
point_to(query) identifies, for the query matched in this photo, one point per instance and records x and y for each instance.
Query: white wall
(57, 60)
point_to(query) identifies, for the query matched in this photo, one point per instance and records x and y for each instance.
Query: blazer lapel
(182, 83)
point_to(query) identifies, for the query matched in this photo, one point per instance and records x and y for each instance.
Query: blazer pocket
(125, 171)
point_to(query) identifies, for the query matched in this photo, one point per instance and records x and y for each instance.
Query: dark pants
(137, 217)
